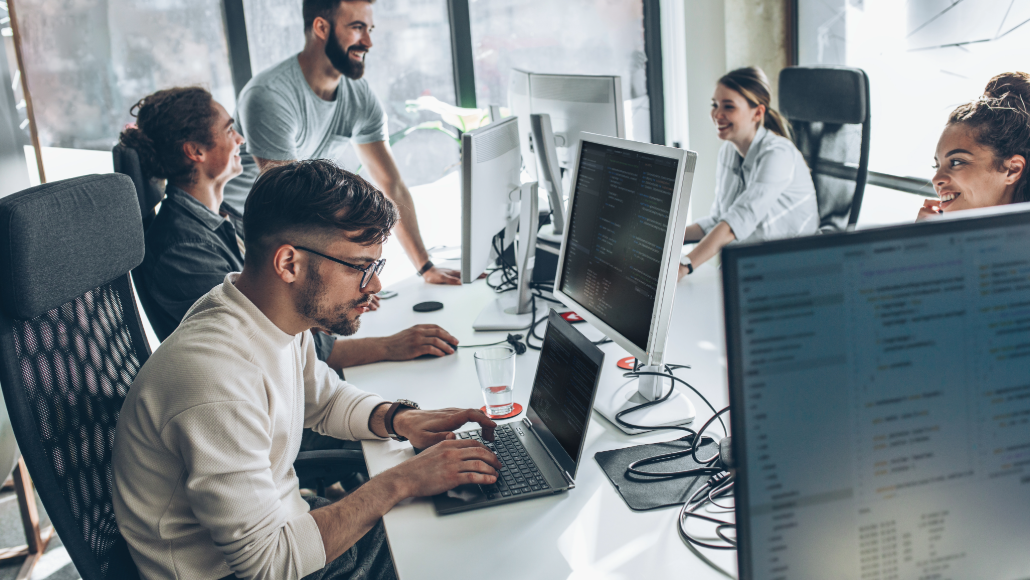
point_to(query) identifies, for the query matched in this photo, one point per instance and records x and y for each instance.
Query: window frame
(461, 56)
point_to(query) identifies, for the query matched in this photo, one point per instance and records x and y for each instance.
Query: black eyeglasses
(366, 272)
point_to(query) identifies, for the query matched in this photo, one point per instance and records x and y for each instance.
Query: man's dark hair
(314, 199)
(312, 9)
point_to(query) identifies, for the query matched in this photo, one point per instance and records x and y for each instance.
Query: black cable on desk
(716, 486)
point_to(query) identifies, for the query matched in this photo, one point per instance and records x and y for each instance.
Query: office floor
(55, 563)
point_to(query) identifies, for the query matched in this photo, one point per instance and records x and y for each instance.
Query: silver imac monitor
(880, 386)
(553, 109)
(619, 259)
(492, 201)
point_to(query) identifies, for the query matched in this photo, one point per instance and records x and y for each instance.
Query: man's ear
(321, 28)
(193, 152)
(1014, 168)
(287, 263)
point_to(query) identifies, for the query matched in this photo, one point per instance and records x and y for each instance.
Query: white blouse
(766, 195)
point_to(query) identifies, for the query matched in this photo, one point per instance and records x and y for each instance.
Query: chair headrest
(126, 161)
(59, 240)
(824, 94)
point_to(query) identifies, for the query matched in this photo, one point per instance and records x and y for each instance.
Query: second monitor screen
(617, 227)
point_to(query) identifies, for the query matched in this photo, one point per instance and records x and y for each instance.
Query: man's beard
(336, 321)
(340, 57)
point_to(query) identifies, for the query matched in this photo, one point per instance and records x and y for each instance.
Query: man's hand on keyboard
(443, 467)
(427, 428)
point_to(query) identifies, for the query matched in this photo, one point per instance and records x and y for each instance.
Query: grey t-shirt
(283, 119)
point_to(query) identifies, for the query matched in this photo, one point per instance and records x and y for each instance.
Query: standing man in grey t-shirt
(311, 105)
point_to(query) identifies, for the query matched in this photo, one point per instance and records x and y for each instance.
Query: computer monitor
(553, 109)
(881, 395)
(619, 259)
(493, 202)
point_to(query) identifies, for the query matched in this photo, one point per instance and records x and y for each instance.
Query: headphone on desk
(515, 340)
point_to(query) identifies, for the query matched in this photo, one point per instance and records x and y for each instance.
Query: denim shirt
(189, 251)
(766, 195)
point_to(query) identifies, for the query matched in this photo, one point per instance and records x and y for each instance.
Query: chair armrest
(313, 463)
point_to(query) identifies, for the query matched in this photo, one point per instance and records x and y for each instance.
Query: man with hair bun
(204, 485)
(312, 104)
(981, 157)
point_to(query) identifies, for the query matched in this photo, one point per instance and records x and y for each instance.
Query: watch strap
(685, 261)
(388, 420)
(425, 267)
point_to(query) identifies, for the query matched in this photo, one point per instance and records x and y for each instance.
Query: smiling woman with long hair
(763, 189)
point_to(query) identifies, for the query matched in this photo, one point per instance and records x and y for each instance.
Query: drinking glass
(496, 369)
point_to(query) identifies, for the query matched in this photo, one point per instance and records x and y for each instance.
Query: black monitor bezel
(555, 323)
(731, 257)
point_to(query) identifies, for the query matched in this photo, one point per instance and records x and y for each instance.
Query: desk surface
(588, 532)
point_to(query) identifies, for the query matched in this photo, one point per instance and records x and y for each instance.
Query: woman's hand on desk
(427, 428)
(683, 272)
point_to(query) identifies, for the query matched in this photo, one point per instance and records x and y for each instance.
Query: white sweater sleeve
(225, 447)
(332, 406)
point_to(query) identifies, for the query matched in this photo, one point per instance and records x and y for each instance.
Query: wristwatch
(425, 267)
(685, 261)
(392, 412)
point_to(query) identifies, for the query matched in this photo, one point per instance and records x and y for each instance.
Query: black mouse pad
(642, 493)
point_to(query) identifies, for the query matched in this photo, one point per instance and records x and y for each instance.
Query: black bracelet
(425, 267)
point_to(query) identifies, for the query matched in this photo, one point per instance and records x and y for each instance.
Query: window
(88, 61)
(923, 58)
(410, 57)
(574, 36)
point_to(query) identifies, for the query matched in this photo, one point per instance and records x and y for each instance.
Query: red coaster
(626, 363)
(514, 411)
(572, 317)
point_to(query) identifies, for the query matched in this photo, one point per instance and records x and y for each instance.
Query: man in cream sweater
(206, 439)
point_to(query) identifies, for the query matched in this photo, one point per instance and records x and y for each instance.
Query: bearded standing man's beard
(340, 57)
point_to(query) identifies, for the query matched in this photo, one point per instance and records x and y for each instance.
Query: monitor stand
(676, 410)
(549, 173)
(514, 310)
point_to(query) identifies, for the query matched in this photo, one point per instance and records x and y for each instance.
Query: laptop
(541, 452)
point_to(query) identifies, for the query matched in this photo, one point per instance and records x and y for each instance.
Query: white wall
(705, 35)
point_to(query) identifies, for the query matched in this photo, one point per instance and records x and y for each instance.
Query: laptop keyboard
(519, 474)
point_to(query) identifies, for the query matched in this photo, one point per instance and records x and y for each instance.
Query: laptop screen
(881, 384)
(563, 390)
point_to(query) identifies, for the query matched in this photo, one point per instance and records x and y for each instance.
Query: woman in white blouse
(763, 189)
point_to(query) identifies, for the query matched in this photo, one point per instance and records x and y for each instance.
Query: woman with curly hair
(982, 154)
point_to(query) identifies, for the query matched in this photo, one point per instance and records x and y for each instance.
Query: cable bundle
(718, 485)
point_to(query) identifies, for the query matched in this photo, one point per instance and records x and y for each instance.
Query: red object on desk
(571, 317)
(515, 410)
(626, 363)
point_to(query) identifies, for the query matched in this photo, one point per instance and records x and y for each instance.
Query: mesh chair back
(126, 162)
(71, 343)
(828, 108)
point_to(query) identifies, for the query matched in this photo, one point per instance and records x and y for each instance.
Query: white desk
(588, 532)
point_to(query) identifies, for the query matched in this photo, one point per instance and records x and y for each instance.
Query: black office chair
(828, 108)
(148, 192)
(71, 343)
